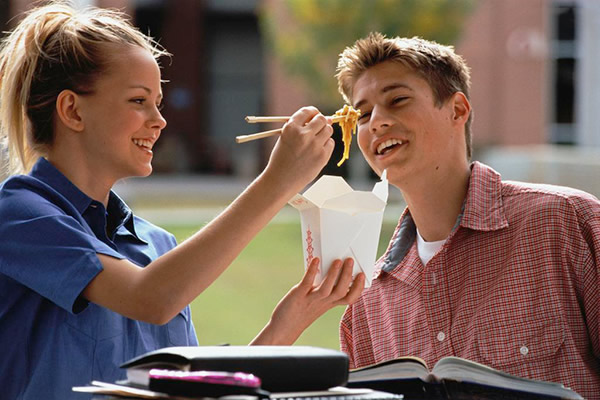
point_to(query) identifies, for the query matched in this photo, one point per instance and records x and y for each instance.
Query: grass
(236, 307)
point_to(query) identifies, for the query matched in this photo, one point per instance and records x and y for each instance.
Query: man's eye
(364, 116)
(397, 100)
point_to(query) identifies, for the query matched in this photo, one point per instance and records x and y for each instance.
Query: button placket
(438, 306)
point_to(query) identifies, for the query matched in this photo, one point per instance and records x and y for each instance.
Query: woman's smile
(144, 144)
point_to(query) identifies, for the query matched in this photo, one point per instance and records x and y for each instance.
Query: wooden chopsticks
(261, 135)
(255, 120)
(258, 135)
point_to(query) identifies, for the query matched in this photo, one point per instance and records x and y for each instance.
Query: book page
(400, 368)
(140, 375)
(335, 391)
(462, 370)
(104, 388)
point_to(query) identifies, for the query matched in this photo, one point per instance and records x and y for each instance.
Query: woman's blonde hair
(54, 47)
(445, 71)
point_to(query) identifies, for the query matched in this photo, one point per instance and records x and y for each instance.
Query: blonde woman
(84, 283)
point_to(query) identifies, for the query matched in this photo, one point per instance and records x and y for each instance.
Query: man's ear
(67, 109)
(461, 107)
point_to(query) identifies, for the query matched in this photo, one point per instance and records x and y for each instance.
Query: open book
(452, 378)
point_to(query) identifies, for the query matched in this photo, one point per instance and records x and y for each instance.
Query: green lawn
(240, 302)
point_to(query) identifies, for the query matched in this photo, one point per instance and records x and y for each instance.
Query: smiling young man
(502, 273)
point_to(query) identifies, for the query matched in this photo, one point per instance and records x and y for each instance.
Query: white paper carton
(339, 222)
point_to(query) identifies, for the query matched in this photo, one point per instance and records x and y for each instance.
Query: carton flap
(354, 203)
(381, 188)
(326, 187)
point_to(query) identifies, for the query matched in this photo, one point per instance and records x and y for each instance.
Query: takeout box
(339, 222)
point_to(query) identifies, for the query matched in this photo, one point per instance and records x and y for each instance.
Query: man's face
(400, 129)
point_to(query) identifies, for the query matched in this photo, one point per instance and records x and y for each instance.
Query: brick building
(535, 85)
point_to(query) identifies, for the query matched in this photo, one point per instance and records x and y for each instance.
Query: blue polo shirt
(51, 338)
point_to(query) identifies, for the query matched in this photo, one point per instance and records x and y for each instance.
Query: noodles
(348, 125)
(347, 117)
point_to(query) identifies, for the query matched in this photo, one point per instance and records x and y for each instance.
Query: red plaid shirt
(515, 286)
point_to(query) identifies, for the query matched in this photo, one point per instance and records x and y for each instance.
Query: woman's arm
(159, 291)
(305, 302)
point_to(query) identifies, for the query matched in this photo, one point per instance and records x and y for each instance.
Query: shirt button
(441, 336)
(524, 350)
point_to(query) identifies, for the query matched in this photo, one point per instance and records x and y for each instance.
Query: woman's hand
(302, 150)
(305, 302)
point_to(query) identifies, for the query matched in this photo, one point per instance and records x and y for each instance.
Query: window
(564, 73)
(235, 81)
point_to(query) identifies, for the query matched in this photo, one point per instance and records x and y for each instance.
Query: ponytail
(17, 66)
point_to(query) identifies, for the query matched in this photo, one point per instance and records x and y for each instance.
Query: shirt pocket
(178, 328)
(97, 322)
(518, 342)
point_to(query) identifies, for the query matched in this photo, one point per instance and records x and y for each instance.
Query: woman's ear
(67, 109)
(461, 107)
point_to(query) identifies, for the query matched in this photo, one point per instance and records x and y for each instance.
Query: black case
(280, 368)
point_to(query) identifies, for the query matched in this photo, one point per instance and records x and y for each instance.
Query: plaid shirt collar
(482, 210)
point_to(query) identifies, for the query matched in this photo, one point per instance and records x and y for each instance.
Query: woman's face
(122, 120)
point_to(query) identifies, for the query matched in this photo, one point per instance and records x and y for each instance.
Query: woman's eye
(160, 106)
(138, 101)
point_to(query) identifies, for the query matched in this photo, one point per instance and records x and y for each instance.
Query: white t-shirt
(427, 250)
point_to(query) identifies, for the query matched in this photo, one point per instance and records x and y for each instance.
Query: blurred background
(535, 95)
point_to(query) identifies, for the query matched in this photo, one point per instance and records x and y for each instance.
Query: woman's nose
(158, 121)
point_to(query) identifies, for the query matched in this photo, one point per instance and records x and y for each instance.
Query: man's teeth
(388, 143)
(143, 143)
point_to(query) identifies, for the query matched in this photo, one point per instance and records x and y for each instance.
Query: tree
(307, 36)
